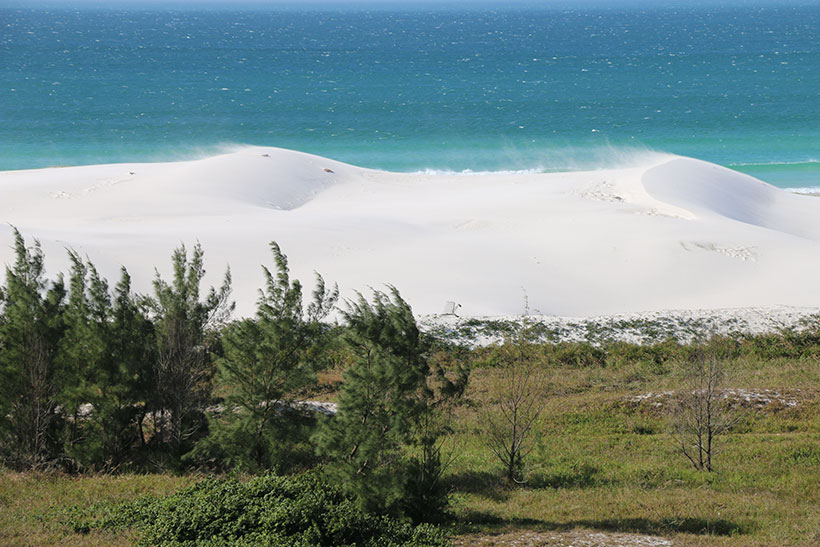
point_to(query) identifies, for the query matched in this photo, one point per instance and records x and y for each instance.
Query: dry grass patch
(31, 504)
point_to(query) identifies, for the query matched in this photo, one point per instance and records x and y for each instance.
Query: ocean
(423, 89)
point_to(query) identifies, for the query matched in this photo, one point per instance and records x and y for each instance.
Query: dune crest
(708, 190)
(262, 177)
(671, 233)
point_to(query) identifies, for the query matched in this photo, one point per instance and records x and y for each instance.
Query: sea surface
(422, 89)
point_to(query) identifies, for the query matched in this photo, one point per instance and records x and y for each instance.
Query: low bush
(303, 510)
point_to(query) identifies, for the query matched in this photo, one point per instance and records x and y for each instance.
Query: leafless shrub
(702, 412)
(515, 404)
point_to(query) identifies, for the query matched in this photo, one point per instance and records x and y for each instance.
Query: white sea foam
(469, 172)
(805, 190)
(561, 160)
(775, 163)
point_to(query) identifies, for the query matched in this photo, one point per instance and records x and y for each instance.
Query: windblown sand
(665, 233)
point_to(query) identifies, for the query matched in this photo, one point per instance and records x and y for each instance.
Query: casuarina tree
(81, 352)
(266, 361)
(383, 410)
(104, 359)
(185, 328)
(30, 327)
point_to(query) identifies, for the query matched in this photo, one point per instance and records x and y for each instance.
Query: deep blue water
(444, 89)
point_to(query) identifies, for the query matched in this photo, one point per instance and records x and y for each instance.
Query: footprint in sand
(602, 191)
(740, 252)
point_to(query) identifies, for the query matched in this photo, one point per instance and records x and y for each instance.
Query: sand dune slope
(670, 233)
(710, 191)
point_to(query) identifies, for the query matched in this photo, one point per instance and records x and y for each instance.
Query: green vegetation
(89, 378)
(304, 510)
(606, 459)
(265, 362)
(510, 417)
(385, 412)
(184, 328)
(31, 326)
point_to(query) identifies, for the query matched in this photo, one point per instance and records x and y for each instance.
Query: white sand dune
(668, 233)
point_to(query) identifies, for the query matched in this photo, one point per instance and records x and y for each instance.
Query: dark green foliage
(384, 409)
(577, 354)
(105, 369)
(269, 510)
(30, 329)
(788, 343)
(185, 330)
(266, 362)
(564, 354)
(125, 378)
(451, 367)
(654, 357)
(81, 351)
(73, 373)
(425, 495)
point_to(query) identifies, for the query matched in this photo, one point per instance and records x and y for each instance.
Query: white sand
(666, 233)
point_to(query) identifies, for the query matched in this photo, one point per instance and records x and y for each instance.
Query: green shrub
(269, 510)
(578, 355)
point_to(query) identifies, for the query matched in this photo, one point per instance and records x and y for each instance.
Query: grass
(33, 504)
(601, 461)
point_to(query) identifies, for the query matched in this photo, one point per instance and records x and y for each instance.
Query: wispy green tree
(380, 437)
(425, 497)
(185, 333)
(128, 374)
(104, 361)
(81, 351)
(266, 362)
(30, 327)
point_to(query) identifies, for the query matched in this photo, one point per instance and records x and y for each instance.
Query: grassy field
(32, 505)
(603, 462)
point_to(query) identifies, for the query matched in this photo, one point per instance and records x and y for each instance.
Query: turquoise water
(414, 90)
